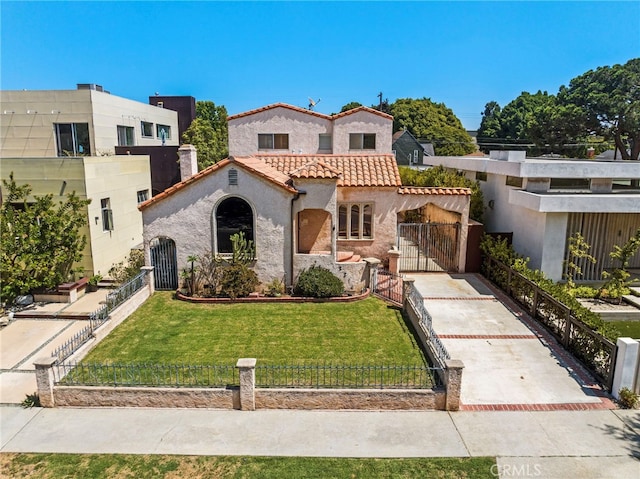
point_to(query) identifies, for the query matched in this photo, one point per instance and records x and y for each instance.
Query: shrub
(128, 269)
(628, 399)
(32, 400)
(275, 288)
(318, 282)
(238, 281)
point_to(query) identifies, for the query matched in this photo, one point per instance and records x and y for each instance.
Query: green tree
(209, 133)
(578, 249)
(606, 102)
(40, 241)
(432, 122)
(442, 177)
(350, 106)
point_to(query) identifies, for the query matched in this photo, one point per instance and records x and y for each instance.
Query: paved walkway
(36, 333)
(554, 444)
(511, 362)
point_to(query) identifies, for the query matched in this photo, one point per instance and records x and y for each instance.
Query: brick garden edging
(270, 299)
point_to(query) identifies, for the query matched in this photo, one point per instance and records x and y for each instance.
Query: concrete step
(344, 256)
(632, 300)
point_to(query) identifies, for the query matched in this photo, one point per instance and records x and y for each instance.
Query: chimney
(188, 161)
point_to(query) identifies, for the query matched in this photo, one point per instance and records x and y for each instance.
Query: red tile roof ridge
(278, 105)
(428, 190)
(308, 112)
(315, 165)
(178, 186)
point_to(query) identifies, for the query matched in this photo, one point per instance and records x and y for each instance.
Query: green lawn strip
(168, 331)
(54, 466)
(628, 329)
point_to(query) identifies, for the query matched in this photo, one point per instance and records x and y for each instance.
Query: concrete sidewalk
(560, 444)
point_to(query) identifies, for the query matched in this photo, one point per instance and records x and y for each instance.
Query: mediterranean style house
(300, 210)
(308, 189)
(545, 201)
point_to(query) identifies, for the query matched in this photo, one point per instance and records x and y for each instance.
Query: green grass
(165, 330)
(111, 466)
(628, 329)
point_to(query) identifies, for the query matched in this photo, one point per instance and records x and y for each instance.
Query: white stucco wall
(362, 122)
(187, 217)
(303, 130)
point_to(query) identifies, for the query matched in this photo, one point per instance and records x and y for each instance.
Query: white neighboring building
(280, 128)
(87, 121)
(544, 201)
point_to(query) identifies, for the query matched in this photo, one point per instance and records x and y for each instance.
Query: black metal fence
(158, 375)
(594, 351)
(347, 376)
(100, 316)
(387, 285)
(267, 376)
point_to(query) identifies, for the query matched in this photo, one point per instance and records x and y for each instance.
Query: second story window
(125, 135)
(107, 214)
(147, 129)
(273, 141)
(72, 139)
(163, 132)
(362, 141)
(324, 142)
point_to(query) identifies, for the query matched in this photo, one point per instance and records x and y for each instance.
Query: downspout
(293, 233)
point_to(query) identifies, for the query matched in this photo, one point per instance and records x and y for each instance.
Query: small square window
(147, 129)
(515, 181)
(143, 195)
(481, 175)
(273, 141)
(163, 132)
(362, 141)
(125, 135)
(325, 142)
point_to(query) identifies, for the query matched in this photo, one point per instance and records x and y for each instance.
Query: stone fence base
(229, 398)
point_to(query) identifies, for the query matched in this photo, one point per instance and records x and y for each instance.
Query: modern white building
(88, 121)
(544, 201)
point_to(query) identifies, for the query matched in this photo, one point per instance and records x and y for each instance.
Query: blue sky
(244, 55)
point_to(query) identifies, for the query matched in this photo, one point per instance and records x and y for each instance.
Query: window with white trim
(163, 132)
(362, 141)
(355, 221)
(273, 141)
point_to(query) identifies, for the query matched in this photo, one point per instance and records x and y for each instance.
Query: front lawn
(165, 330)
(71, 466)
(628, 329)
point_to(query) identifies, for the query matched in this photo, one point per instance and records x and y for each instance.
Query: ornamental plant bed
(274, 299)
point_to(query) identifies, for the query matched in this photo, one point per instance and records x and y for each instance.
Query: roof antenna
(313, 103)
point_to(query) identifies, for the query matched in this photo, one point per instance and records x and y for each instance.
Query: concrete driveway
(35, 333)
(511, 362)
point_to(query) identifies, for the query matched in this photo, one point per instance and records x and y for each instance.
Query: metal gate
(429, 246)
(165, 262)
(387, 285)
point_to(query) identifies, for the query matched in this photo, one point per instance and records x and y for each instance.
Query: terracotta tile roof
(308, 112)
(414, 190)
(355, 170)
(278, 105)
(315, 169)
(258, 167)
(362, 108)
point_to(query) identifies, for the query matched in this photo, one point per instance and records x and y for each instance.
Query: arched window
(233, 215)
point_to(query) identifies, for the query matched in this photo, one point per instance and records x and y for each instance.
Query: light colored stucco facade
(304, 128)
(542, 217)
(116, 178)
(29, 117)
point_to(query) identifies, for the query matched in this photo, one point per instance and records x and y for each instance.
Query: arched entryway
(165, 262)
(233, 215)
